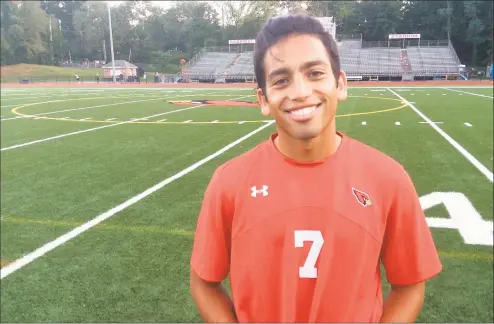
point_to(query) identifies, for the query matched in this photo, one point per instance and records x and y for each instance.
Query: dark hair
(279, 27)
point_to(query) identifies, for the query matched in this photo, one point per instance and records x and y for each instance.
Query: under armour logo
(256, 191)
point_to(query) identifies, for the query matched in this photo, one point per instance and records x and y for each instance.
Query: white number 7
(309, 270)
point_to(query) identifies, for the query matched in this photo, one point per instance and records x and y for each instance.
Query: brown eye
(280, 82)
(316, 73)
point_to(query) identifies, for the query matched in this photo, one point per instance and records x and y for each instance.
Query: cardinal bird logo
(362, 197)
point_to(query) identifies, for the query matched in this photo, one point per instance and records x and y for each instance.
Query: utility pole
(111, 42)
(51, 42)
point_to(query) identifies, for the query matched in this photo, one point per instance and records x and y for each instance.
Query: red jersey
(303, 242)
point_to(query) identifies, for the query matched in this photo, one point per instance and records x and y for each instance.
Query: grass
(133, 267)
(35, 70)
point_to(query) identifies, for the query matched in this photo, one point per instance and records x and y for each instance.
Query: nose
(301, 88)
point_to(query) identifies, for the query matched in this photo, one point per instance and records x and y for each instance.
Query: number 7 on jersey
(309, 269)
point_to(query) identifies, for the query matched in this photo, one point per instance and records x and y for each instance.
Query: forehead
(293, 51)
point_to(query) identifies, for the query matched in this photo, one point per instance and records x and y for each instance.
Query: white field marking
(470, 93)
(8, 106)
(102, 127)
(50, 95)
(241, 122)
(73, 109)
(160, 121)
(88, 107)
(110, 119)
(428, 94)
(462, 216)
(267, 121)
(412, 94)
(30, 257)
(423, 122)
(215, 121)
(444, 94)
(468, 124)
(380, 94)
(397, 123)
(450, 140)
(379, 90)
(188, 121)
(364, 123)
(86, 118)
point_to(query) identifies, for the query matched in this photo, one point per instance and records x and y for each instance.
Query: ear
(342, 87)
(262, 102)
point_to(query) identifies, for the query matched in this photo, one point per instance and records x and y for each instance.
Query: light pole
(111, 42)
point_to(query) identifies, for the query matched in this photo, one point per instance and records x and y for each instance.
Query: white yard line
(102, 127)
(88, 107)
(30, 257)
(470, 93)
(45, 95)
(450, 140)
(74, 109)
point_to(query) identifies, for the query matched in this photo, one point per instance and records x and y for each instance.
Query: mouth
(304, 113)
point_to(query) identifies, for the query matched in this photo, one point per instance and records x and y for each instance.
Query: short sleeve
(408, 252)
(211, 249)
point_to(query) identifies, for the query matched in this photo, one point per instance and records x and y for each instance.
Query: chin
(306, 135)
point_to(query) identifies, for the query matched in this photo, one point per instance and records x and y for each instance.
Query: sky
(163, 4)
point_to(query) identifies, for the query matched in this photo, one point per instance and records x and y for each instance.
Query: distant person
(77, 77)
(97, 77)
(302, 223)
(145, 78)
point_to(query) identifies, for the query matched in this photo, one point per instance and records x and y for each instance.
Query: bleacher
(210, 64)
(368, 63)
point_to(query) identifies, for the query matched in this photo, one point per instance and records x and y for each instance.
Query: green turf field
(101, 189)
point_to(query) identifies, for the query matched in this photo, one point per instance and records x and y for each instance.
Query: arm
(210, 261)
(212, 300)
(403, 303)
(408, 254)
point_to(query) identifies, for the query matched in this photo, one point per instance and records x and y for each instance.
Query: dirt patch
(4, 262)
(215, 103)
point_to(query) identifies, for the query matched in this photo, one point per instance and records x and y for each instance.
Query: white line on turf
(470, 93)
(451, 141)
(91, 107)
(110, 119)
(364, 123)
(397, 123)
(102, 127)
(81, 108)
(30, 257)
(468, 124)
(423, 122)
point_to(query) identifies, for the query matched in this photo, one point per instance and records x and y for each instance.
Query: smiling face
(301, 90)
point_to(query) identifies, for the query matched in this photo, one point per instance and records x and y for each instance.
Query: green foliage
(146, 33)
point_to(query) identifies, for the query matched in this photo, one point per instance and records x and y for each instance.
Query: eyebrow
(304, 66)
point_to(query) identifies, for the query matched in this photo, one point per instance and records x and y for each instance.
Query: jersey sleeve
(211, 249)
(408, 252)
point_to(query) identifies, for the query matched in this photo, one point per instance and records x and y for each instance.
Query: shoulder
(228, 174)
(376, 165)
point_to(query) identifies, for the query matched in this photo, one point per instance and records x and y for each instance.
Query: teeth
(303, 111)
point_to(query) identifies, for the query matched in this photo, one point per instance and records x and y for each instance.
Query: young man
(302, 222)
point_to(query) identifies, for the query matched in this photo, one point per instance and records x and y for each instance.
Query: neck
(315, 149)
